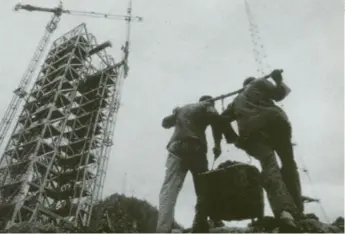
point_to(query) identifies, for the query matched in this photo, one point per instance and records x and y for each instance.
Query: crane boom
(21, 91)
(29, 7)
(60, 10)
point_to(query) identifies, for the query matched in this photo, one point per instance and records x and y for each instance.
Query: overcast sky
(184, 49)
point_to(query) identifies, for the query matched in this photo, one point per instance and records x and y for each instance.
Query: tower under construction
(53, 166)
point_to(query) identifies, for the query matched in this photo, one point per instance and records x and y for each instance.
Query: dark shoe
(214, 223)
(288, 226)
(218, 223)
(200, 225)
(199, 229)
(301, 216)
(287, 223)
(187, 230)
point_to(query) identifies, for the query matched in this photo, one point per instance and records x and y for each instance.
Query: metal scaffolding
(54, 163)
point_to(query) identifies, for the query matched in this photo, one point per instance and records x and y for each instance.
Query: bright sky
(184, 49)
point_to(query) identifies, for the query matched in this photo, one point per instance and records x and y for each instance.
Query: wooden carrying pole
(235, 92)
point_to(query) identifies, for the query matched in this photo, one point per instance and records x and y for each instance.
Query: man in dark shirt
(188, 152)
(264, 128)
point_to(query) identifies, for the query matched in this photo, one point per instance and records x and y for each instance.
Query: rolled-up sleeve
(169, 121)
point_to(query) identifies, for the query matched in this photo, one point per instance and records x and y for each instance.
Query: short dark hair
(248, 80)
(205, 98)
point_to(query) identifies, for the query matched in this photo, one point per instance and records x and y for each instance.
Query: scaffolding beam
(53, 165)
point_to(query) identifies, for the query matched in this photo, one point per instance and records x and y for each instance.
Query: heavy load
(233, 192)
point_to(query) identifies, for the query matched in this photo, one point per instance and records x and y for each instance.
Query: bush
(126, 214)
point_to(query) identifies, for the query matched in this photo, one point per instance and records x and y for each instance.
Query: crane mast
(21, 91)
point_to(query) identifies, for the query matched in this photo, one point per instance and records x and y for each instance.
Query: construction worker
(264, 129)
(187, 152)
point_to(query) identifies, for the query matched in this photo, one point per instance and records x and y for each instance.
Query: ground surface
(119, 213)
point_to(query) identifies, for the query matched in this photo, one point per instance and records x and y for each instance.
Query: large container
(234, 192)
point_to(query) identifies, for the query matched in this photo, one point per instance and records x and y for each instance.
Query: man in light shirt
(187, 151)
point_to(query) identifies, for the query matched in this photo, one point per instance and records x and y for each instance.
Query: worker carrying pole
(187, 151)
(264, 129)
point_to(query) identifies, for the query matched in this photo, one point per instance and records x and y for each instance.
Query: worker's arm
(169, 121)
(276, 92)
(228, 116)
(215, 120)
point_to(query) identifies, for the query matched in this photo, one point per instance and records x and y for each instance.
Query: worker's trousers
(175, 173)
(282, 185)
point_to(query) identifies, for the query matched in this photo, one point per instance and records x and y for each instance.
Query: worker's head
(206, 98)
(248, 80)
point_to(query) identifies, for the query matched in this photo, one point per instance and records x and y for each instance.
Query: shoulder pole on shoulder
(235, 92)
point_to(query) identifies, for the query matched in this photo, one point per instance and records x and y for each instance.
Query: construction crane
(21, 91)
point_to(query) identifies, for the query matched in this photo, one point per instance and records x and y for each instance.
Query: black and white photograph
(172, 116)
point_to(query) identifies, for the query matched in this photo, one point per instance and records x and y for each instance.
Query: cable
(259, 52)
(223, 108)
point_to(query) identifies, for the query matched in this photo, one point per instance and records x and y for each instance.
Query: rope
(305, 170)
(223, 108)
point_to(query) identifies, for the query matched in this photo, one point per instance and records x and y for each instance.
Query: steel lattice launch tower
(54, 164)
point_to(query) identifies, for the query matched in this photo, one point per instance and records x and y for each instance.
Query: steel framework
(6, 122)
(54, 163)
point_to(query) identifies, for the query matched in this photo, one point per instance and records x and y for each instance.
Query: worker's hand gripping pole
(222, 97)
